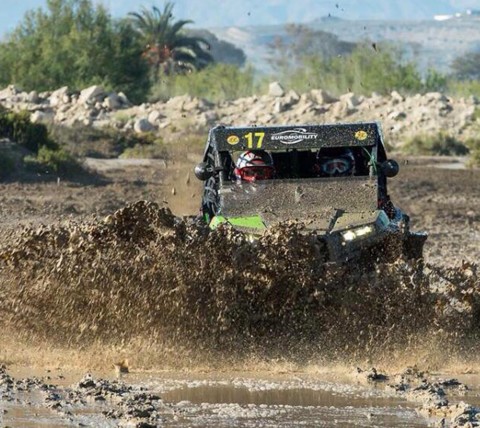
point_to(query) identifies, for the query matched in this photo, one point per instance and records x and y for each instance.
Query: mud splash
(142, 274)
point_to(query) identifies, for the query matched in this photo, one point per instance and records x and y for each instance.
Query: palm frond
(168, 45)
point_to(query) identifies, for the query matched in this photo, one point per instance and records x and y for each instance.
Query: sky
(226, 13)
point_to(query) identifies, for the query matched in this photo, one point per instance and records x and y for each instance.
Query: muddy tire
(413, 246)
(387, 251)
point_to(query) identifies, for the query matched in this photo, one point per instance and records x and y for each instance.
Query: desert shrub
(474, 146)
(7, 164)
(464, 88)
(438, 144)
(476, 115)
(150, 148)
(215, 83)
(53, 161)
(81, 141)
(435, 81)
(18, 127)
(362, 71)
(74, 43)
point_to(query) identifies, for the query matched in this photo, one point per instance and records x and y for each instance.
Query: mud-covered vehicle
(330, 178)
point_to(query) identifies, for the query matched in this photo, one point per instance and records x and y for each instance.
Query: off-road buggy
(351, 216)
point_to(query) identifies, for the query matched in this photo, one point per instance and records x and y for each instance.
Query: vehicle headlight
(349, 235)
(352, 234)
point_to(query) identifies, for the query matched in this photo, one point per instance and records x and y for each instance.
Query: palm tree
(167, 48)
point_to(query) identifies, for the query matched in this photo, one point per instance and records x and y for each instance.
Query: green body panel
(251, 222)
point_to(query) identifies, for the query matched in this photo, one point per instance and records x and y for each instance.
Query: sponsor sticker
(232, 140)
(293, 136)
(361, 135)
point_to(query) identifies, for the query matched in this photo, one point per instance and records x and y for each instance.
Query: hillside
(434, 44)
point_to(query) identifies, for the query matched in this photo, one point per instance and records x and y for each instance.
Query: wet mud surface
(112, 280)
(360, 398)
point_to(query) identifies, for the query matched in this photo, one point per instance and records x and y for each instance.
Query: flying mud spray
(166, 292)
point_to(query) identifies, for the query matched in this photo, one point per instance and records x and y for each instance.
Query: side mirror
(203, 171)
(390, 168)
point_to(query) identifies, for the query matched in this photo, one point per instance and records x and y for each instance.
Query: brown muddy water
(313, 397)
(229, 399)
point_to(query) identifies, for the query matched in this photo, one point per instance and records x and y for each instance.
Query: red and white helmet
(254, 165)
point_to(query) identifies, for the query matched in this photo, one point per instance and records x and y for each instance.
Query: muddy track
(106, 265)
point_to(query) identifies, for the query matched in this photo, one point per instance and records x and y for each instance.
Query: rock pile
(401, 116)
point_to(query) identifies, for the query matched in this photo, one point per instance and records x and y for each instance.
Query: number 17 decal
(255, 139)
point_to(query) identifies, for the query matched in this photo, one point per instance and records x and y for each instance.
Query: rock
(397, 115)
(275, 89)
(350, 100)
(87, 382)
(435, 96)
(396, 97)
(123, 98)
(280, 105)
(41, 117)
(155, 116)
(453, 384)
(178, 103)
(112, 102)
(341, 109)
(33, 97)
(8, 92)
(57, 97)
(321, 96)
(371, 375)
(165, 124)
(143, 125)
(303, 106)
(193, 104)
(292, 97)
(91, 94)
(402, 117)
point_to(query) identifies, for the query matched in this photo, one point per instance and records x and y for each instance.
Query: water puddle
(287, 405)
(229, 399)
(223, 400)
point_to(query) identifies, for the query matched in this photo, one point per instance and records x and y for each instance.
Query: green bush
(53, 161)
(17, 127)
(363, 71)
(147, 150)
(74, 43)
(474, 146)
(81, 141)
(463, 88)
(7, 164)
(476, 115)
(215, 83)
(439, 144)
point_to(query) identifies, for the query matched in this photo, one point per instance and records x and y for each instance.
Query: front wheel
(413, 246)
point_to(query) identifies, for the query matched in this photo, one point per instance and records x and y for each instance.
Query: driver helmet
(254, 165)
(335, 162)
